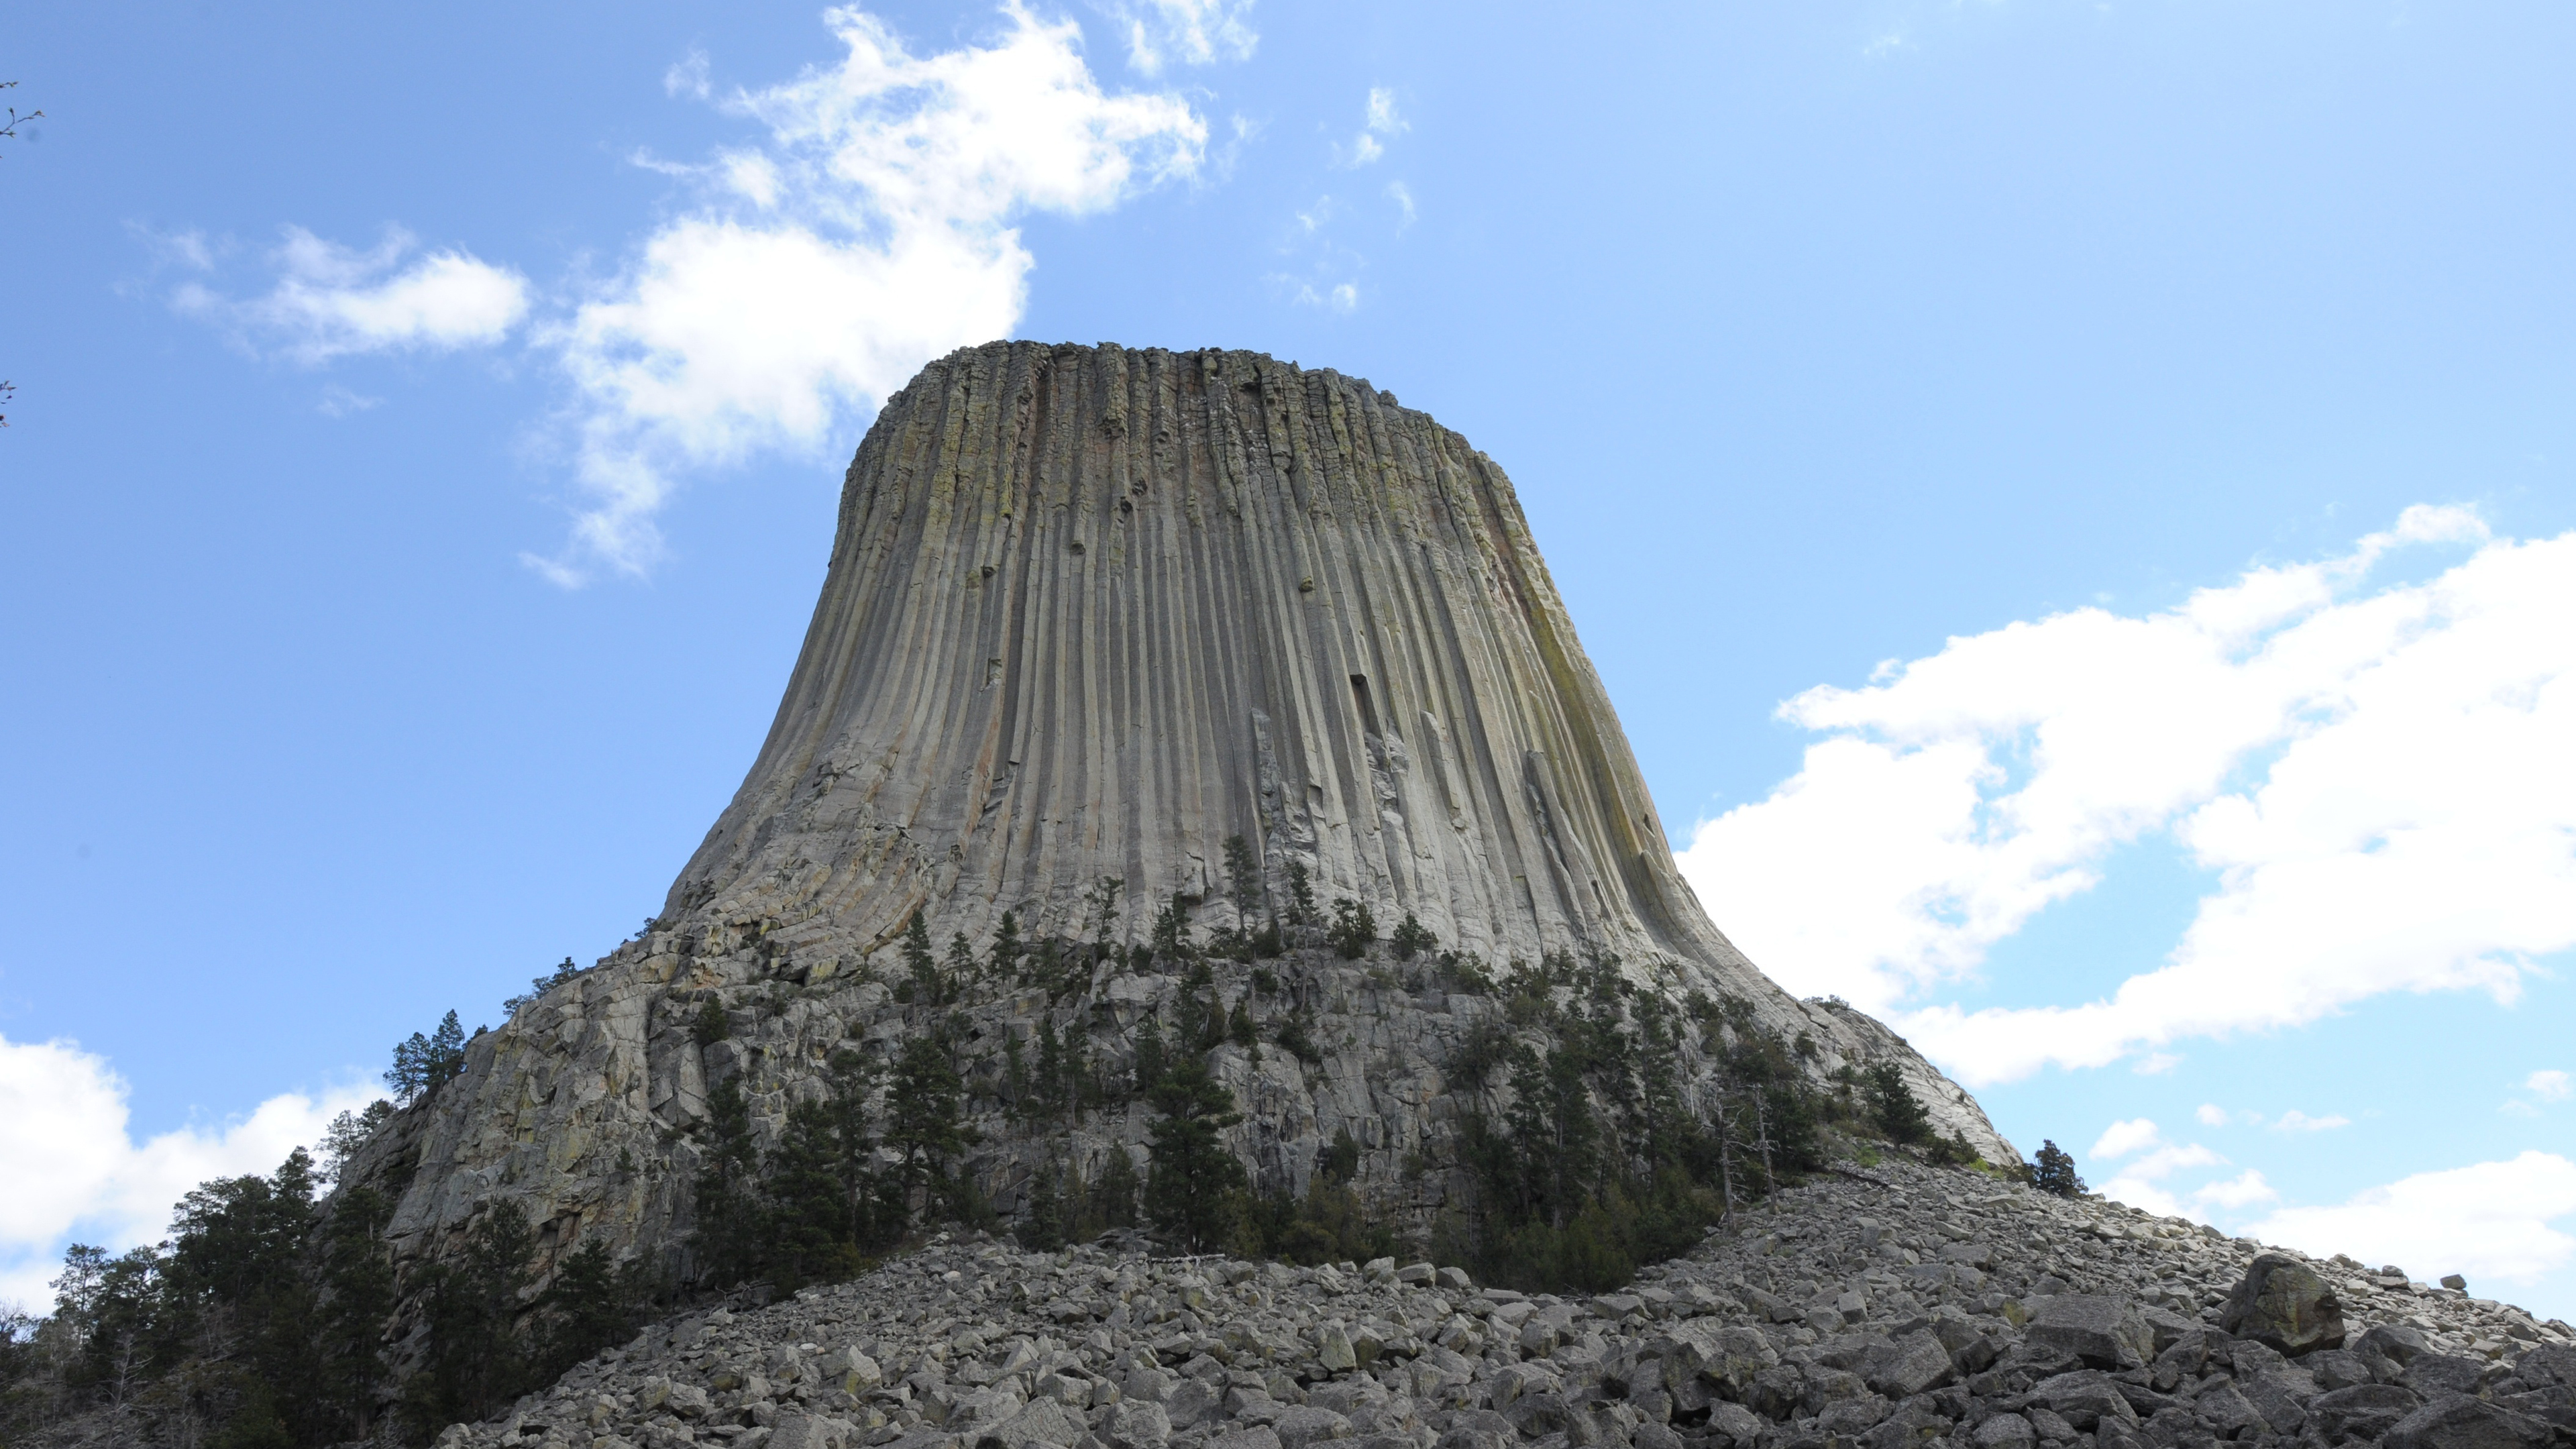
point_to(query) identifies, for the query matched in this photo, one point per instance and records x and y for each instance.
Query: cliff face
(1090, 612)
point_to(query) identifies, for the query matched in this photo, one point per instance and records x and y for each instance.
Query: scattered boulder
(969, 1346)
(2458, 1422)
(2084, 1398)
(2093, 1327)
(2364, 1411)
(2284, 1304)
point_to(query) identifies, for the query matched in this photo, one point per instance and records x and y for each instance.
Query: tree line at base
(267, 1320)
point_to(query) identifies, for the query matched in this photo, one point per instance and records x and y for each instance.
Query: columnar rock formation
(1091, 612)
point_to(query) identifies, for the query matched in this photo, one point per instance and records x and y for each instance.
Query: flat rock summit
(1198, 708)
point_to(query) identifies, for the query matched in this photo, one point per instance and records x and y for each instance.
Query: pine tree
(1353, 930)
(476, 1359)
(923, 1118)
(589, 1306)
(1101, 905)
(808, 1239)
(864, 1218)
(1301, 894)
(1042, 1230)
(358, 1282)
(728, 1232)
(1171, 933)
(1243, 878)
(710, 1025)
(1113, 1197)
(1150, 1060)
(1893, 1108)
(2054, 1172)
(1006, 947)
(446, 1056)
(1192, 1190)
(1411, 938)
(920, 965)
(961, 961)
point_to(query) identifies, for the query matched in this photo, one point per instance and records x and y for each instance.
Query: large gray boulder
(2097, 1328)
(1914, 1364)
(2282, 1304)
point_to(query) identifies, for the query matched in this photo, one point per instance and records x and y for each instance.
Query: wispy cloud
(341, 402)
(873, 231)
(1379, 123)
(2376, 779)
(331, 300)
(2295, 1120)
(1184, 32)
(2140, 1181)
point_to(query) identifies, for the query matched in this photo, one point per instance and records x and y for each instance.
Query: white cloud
(873, 232)
(2211, 1115)
(1381, 112)
(340, 402)
(74, 1170)
(331, 301)
(1189, 32)
(2140, 1183)
(2549, 1086)
(2241, 1191)
(2123, 1138)
(2295, 1120)
(2489, 1220)
(2377, 780)
(1380, 120)
(1402, 196)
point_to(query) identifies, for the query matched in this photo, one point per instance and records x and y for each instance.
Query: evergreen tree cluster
(423, 1064)
(266, 1321)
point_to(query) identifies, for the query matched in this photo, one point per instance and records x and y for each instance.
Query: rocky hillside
(1891, 1307)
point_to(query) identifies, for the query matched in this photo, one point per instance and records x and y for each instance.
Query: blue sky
(2073, 503)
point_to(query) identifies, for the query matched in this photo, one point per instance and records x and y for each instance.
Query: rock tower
(1091, 611)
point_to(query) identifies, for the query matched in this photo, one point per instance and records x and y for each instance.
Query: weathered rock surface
(1090, 612)
(2285, 1305)
(1097, 1349)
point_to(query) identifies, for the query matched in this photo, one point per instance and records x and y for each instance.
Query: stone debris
(1899, 1309)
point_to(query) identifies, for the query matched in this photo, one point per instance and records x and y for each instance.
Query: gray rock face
(2283, 1304)
(1090, 612)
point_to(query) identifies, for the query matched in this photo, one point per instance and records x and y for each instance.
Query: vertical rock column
(1091, 611)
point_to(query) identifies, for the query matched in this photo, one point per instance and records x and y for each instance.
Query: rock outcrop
(1090, 613)
(1897, 1309)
